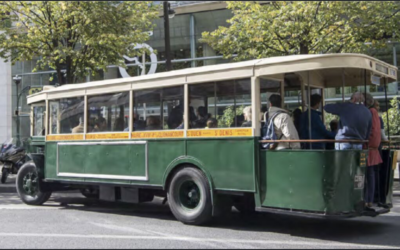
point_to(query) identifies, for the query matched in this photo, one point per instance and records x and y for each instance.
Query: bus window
(158, 109)
(108, 113)
(221, 104)
(39, 113)
(66, 116)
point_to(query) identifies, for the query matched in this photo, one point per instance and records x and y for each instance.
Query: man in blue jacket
(355, 121)
(318, 129)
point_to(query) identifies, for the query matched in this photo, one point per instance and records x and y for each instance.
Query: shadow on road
(381, 230)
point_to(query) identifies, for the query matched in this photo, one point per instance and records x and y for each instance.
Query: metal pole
(365, 86)
(167, 38)
(17, 118)
(343, 84)
(309, 107)
(192, 40)
(387, 107)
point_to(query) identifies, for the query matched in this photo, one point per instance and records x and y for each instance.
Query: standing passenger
(355, 121)
(283, 123)
(318, 129)
(374, 158)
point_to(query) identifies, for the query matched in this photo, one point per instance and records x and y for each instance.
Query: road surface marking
(263, 242)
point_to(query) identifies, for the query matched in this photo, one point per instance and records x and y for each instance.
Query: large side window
(66, 116)
(220, 104)
(108, 113)
(38, 125)
(158, 109)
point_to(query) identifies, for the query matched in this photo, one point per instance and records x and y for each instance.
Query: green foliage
(263, 29)
(394, 118)
(328, 118)
(227, 119)
(75, 35)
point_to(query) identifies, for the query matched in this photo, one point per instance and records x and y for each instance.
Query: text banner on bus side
(220, 132)
(107, 136)
(78, 137)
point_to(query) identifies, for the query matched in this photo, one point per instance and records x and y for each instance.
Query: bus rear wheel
(28, 186)
(189, 196)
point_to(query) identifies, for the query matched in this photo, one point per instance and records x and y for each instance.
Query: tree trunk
(59, 75)
(304, 49)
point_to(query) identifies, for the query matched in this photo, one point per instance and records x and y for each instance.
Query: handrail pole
(387, 108)
(309, 106)
(343, 84)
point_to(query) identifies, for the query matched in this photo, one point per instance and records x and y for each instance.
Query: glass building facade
(192, 18)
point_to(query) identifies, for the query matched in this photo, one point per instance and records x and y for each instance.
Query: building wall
(5, 101)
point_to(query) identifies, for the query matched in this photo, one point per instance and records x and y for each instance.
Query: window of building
(67, 116)
(108, 113)
(158, 109)
(39, 114)
(220, 104)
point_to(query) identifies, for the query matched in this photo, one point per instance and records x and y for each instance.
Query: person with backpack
(279, 126)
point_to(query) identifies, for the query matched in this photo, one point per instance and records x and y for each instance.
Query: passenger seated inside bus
(153, 123)
(80, 128)
(283, 124)
(247, 116)
(119, 124)
(212, 123)
(175, 118)
(318, 129)
(100, 125)
(202, 117)
(355, 121)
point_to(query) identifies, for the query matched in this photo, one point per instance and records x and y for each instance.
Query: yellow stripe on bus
(107, 136)
(157, 134)
(64, 138)
(220, 132)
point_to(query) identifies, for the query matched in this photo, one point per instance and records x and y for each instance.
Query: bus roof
(326, 66)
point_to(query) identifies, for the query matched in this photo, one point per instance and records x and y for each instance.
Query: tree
(75, 36)
(228, 118)
(262, 29)
(394, 118)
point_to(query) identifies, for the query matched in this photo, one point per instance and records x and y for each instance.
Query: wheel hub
(189, 195)
(29, 183)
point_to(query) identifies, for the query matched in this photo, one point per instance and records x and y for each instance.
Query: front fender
(38, 159)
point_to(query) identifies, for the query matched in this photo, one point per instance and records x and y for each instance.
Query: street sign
(34, 90)
(375, 80)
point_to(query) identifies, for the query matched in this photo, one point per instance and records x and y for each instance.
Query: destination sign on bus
(381, 68)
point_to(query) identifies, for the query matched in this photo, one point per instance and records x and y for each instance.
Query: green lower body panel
(328, 182)
(228, 162)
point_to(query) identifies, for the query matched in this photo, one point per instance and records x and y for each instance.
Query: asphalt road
(69, 220)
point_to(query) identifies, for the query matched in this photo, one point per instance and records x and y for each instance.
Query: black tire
(28, 176)
(189, 196)
(90, 193)
(4, 175)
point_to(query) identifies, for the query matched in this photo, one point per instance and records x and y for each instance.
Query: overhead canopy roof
(324, 70)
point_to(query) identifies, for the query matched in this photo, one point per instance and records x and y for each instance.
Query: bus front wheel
(28, 185)
(189, 196)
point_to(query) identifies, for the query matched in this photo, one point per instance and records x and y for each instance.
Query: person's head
(212, 123)
(334, 125)
(192, 115)
(101, 123)
(369, 100)
(357, 98)
(152, 121)
(247, 113)
(275, 101)
(315, 100)
(377, 106)
(202, 111)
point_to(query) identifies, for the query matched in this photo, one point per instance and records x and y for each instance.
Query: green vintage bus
(105, 139)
